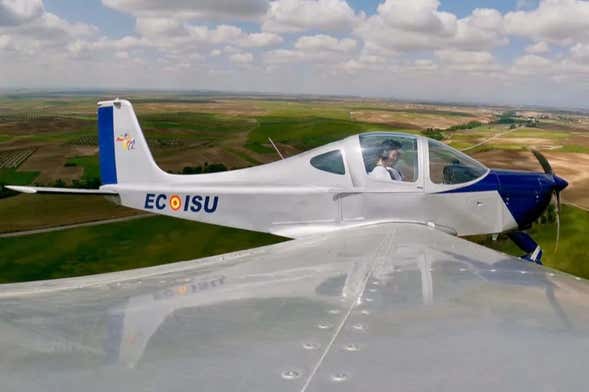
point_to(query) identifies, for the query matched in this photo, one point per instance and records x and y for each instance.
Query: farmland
(117, 246)
(51, 140)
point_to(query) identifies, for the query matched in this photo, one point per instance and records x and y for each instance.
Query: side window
(331, 162)
(448, 166)
(389, 157)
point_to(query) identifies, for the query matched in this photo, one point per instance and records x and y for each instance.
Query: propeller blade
(557, 194)
(543, 162)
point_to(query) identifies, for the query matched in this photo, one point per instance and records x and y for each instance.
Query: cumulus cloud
(580, 52)
(317, 49)
(469, 61)
(561, 22)
(293, 56)
(242, 58)
(44, 33)
(325, 42)
(186, 9)
(363, 63)
(288, 16)
(420, 16)
(170, 33)
(420, 25)
(15, 12)
(260, 40)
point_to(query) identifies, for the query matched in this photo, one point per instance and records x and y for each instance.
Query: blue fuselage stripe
(525, 194)
(106, 144)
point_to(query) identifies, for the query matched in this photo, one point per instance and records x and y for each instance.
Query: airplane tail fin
(124, 155)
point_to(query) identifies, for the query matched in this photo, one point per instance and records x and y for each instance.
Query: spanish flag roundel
(175, 202)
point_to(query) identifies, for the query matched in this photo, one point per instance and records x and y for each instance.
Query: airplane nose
(560, 183)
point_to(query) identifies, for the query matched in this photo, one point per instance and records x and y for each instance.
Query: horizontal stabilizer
(62, 191)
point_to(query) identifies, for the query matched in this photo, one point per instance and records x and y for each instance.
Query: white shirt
(382, 173)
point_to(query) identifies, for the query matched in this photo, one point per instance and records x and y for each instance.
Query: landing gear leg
(528, 245)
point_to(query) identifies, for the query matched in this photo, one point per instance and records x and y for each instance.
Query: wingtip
(21, 189)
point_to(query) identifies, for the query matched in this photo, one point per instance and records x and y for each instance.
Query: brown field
(50, 159)
(225, 107)
(415, 116)
(413, 121)
(531, 142)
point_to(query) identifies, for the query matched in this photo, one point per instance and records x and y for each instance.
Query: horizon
(112, 93)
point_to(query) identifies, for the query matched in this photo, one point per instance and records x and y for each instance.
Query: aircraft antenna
(276, 148)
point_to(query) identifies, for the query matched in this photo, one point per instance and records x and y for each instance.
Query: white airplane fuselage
(293, 198)
(336, 186)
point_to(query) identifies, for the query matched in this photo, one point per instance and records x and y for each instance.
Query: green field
(25, 211)
(118, 246)
(89, 165)
(15, 177)
(306, 132)
(574, 148)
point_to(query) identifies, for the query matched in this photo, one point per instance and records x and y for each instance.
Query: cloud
(242, 58)
(571, 67)
(288, 16)
(532, 61)
(538, 48)
(15, 12)
(561, 22)
(292, 56)
(168, 33)
(363, 63)
(189, 9)
(419, 25)
(318, 49)
(580, 52)
(467, 61)
(324, 42)
(260, 40)
(46, 32)
(419, 16)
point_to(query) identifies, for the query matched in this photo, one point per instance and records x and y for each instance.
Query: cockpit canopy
(409, 161)
(395, 157)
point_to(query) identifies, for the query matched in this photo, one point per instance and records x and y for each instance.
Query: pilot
(388, 156)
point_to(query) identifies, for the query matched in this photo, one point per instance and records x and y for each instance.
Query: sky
(531, 52)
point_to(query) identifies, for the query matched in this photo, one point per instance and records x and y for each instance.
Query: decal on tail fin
(124, 153)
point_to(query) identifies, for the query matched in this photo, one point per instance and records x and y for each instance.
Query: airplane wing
(396, 306)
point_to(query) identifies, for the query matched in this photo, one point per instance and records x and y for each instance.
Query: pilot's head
(389, 152)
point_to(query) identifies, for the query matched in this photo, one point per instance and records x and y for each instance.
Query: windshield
(448, 166)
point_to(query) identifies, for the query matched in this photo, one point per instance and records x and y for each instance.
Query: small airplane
(358, 181)
(375, 292)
